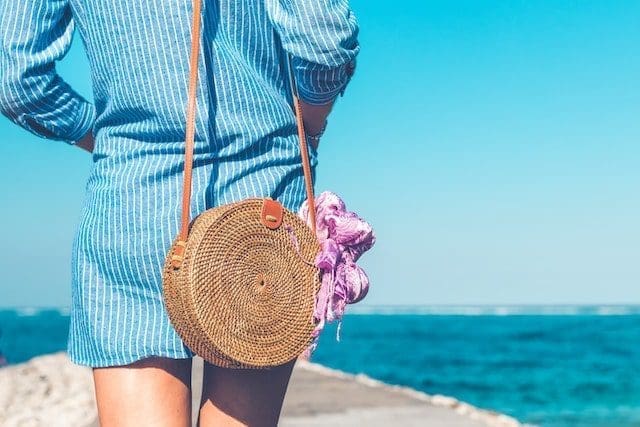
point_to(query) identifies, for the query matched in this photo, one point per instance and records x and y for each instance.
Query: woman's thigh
(243, 397)
(155, 391)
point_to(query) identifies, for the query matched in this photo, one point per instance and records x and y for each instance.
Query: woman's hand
(86, 142)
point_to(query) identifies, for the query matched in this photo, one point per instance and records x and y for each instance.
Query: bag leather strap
(190, 134)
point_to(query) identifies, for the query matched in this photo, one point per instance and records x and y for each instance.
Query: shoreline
(50, 387)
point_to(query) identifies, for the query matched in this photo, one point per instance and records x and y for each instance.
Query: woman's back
(140, 69)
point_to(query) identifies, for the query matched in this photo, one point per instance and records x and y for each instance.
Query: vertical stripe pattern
(245, 144)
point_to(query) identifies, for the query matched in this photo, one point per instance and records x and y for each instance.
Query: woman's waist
(213, 142)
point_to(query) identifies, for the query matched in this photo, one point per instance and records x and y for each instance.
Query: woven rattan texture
(243, 296)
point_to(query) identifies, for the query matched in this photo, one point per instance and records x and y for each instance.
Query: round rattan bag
(239, 281)
(244, 293)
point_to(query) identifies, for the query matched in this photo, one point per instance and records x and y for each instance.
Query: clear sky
(494, 146)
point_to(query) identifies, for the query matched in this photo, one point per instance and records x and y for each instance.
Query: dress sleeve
(322, 38)
(34, 34)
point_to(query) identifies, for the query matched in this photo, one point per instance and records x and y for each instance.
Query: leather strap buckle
(272, 211)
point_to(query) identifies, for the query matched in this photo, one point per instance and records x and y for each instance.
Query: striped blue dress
(245, 144)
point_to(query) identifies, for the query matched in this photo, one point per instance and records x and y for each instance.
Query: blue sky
(494, 147)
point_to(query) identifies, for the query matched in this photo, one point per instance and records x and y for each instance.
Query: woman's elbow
(337, 44)
(17, 106)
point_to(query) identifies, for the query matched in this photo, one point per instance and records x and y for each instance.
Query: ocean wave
(28, 311)
(499, 310)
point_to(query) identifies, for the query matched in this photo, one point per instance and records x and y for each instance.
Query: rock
(52, 391)
(47, 391)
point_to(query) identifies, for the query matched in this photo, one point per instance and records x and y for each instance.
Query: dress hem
(109, 362)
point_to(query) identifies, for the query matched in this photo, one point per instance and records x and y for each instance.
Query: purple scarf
(344, 237)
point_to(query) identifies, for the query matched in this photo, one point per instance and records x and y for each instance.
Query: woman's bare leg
(151, 392)
(243, 397)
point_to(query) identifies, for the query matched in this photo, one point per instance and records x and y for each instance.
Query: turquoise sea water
(566, 368)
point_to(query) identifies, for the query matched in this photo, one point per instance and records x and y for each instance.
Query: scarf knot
(343, 237)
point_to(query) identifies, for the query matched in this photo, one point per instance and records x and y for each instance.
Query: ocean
(546, 366)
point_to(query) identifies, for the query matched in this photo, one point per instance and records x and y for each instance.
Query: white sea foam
(27, 311)
(64, 311)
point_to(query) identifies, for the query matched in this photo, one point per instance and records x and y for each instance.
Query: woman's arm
(87, 142)
(314, 116)
(321, 36)
(34, 34)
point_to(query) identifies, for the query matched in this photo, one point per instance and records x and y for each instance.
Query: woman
(245, 145)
